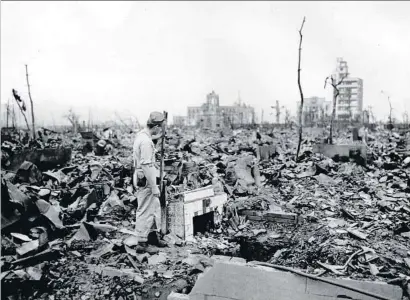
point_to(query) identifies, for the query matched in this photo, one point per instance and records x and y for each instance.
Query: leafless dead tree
(390, 125)
(336, 92)
(22, 106)
(405, 117)
(278, 111)
(390, 113)
(371, 114)
(322, 116)
(287, 118)
(32, 106)
(123, 122)
(300, 90)
(74, 119)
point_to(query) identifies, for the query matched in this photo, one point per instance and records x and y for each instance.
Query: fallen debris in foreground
(68, 232)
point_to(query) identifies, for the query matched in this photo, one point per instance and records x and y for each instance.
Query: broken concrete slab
(50, 212)
(113, 272)
(28, 248)
(21, 237)
(272, 216)
(348, 150)
(233, 281)
(28, 173)
(44, 159)
(104, 249)
(157, 259)
(177, 296)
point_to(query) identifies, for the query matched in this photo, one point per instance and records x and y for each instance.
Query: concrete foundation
(347, 150)
(44, 159)
(245, 282)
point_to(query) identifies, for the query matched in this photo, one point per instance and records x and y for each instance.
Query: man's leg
(155, 236)
(156, 213)
(144, 217)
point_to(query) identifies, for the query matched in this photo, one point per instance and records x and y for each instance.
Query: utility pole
(32, 106)
(391, 109)
(262, 117)
(277, 108)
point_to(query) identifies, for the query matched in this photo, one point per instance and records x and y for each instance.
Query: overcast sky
(135, 57)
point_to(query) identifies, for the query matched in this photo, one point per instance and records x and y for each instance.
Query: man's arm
(147, 166)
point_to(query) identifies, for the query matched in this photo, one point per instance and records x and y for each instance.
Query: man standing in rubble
(148, 216)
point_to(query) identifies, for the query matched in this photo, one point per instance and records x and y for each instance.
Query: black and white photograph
(205, 150)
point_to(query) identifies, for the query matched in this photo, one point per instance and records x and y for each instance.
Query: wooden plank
(281, 215)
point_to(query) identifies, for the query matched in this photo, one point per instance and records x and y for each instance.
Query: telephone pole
(13, 117)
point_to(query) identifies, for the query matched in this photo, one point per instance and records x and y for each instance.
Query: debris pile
(68, 232)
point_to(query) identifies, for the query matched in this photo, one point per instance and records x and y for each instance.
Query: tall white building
(349, 104)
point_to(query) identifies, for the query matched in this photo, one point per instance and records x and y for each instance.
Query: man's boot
(144, 247)
(155, 239)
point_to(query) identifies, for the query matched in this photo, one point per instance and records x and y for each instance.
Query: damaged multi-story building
(349, 104)
(180, 121)
(316, 110)
(212, 115)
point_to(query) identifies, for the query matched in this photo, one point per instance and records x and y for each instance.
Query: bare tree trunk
(22, 112)
(13, 119)
(32, 106)
(335, 95)
(300, 91)
(390, 113)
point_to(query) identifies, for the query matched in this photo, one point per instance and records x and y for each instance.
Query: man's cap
(156, 118)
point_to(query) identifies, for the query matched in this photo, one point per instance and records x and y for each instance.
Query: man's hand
(155, 191)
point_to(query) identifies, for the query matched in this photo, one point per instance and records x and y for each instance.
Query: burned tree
(74, 119)
(405, 116)
(300, 90)
(288, 120)
(22, 106)
(278, 112)
(335, 84)
(390, 113)
(390, 125)
(371, 114)
(322, 116)
(32, 106)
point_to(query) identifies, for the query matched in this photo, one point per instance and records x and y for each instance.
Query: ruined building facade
(349, 105)
(212, 115)
(316, 110)
(180, 121)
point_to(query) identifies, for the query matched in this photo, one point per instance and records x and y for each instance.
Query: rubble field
(68, 231)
